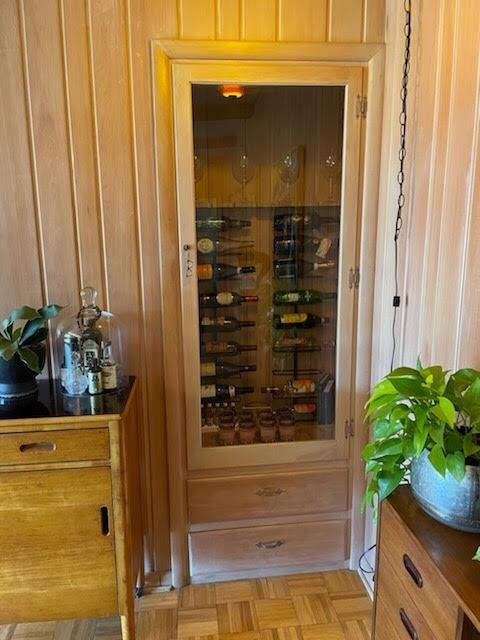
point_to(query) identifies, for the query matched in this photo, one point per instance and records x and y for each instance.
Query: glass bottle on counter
(224, 324)
(218, 369)
(109, 368)
(224, 299)
(90, 335)
(230, 348)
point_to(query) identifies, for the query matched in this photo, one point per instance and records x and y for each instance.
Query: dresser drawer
(264, 496)
(418, 576)
(248, 548)
(397, 605)
(54, 446)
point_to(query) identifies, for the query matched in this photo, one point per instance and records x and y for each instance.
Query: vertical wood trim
(329, 20)
(78, 242)
(33, 158)
(144, 421)
(98, 166)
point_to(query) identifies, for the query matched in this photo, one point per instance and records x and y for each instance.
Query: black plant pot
(16, 379)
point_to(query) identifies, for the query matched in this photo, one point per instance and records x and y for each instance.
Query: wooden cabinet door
(56, 545)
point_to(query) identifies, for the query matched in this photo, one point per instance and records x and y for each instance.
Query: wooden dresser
(70, 542)
(428, 586)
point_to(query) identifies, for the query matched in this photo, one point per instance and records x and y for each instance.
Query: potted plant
(426, 427)
(22, 349)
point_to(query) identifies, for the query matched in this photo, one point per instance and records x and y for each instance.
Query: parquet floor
(317, 606)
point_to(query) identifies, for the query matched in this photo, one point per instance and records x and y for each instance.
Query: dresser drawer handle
(105, 521)
(412, 570)
(37, 446)
(273, 544)
(407, 623)
(269, 492)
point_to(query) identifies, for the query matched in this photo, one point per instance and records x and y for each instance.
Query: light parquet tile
(276, 613)
(319, 606)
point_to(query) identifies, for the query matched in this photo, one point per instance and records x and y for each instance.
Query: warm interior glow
(232, 90)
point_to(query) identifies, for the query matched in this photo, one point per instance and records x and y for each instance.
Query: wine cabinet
(268, 165)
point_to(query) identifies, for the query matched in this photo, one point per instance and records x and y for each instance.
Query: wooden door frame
(163, 54)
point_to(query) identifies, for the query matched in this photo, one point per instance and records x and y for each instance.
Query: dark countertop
(52, 402)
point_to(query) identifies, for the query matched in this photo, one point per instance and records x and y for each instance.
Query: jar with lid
(226, 428)
(268, 426)
(286, 425)
(247, 428)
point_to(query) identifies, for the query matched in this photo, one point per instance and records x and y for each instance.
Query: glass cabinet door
(267, 188)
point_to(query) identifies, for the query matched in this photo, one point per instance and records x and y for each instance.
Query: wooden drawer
(264, 496)
(54, 446)
(250, 548)
(417, 574)
(395, 603)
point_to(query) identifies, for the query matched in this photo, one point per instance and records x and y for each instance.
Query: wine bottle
(226, 348)
(285, 270)
(285, 223)
(224, 299)
(292, 387)
(285, 250)
(223, 391)
(302, 296)
(224, 323)
(221, 223)
(220, 271)
(298, 320)
(222, 247)
(218, 369)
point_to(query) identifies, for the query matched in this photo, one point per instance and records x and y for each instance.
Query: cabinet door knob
(272, 544)
(270, 492)
(407, 623)
(37, 446)
(412, 571)
(104, 520)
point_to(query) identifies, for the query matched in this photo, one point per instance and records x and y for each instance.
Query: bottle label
(208, 391)
(204, 271)
(95, 382)
(292, 296)
(225, 298)
(207, 369)
(217, 347)
(231, 390)
(109, 376)
(90, 352)
(293, 318)
(205, 245)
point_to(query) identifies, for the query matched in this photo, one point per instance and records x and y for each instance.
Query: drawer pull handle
(105, 521)
(273, 544)
(269, 492)
(407, 623)
(412, 570)
(37, 446)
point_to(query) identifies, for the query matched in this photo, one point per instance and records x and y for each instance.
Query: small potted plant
(426, 428)
(23, 334)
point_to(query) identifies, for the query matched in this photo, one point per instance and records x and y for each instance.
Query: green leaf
(419, 364)
(49, 311)
(456, 465)
(420, 436)
(389, 447)
(384, 428)
(437, 458)
(381, 406)
(20, 313)
(436, 432)
(8, 350)
(388, 481)
(445, 411)
(435, 378)
(477, 555)
(30, 358)
(383, 388)
(408, 450)
(368, 451)
(45, 313)
(39, 336)
(469, 446)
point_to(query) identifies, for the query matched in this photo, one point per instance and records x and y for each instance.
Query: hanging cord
(401, 173)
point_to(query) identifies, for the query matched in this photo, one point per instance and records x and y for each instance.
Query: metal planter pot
(456, 504)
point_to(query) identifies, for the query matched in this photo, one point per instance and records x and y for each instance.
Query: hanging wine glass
(288, 167)
(332, 171)
(242, 168)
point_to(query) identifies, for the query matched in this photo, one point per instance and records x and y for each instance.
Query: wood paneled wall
(77, 171)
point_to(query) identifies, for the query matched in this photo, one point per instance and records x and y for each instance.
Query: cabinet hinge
(354, 278)
(361, 108)
(349, 428)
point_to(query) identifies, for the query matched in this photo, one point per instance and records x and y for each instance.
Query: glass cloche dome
(89, 349)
